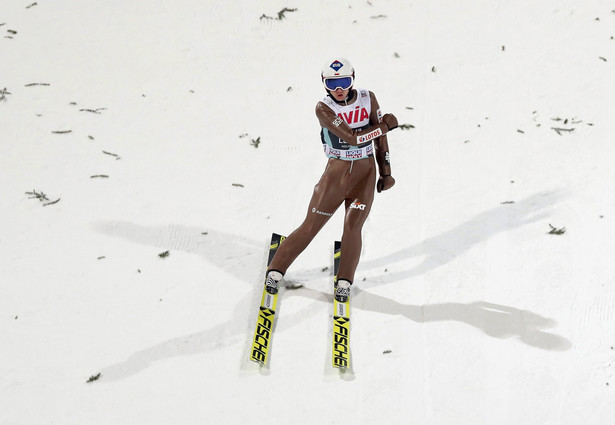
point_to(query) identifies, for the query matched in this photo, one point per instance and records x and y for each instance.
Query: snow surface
(466, 310)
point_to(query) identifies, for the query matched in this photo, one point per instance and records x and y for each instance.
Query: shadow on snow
(243, 258)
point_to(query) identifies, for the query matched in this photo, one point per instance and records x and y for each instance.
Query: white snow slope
(466, 310)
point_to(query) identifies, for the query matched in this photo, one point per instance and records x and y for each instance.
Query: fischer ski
(264, 323)
(341, 319)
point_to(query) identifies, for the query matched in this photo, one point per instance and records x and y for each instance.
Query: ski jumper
(352, 134)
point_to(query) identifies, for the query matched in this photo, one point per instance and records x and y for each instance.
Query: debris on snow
(112, 154)
(41, 197)
(555, 231)
(559, 130)
(3, 94)
(94, 111)
(281, 14)
(93, 378)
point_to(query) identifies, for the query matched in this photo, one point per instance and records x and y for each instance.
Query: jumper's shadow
(236, 255)
(441, 249)
(243, 258)
(495, 320)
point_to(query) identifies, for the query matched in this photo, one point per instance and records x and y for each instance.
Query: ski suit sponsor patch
(315, 211)
(359, 115)
(330, 152)
(369, 136)
(354, 154)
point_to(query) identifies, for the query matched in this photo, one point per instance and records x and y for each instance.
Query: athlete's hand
(385, 183)
(390, 121)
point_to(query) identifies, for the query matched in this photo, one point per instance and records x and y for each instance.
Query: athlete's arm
(338, 126)
(381, 148)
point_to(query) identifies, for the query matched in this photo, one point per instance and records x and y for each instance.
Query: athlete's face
(340, 94)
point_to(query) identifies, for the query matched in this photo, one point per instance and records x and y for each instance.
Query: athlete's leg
(351, 238)
(328, 196)
(358, 206)
(297, 241)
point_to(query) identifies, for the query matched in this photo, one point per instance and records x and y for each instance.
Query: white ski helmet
(337, 73)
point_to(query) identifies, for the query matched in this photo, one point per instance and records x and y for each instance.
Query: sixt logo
(336, 65)
(357, 206)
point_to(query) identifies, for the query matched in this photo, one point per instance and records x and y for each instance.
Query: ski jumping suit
(348, 130)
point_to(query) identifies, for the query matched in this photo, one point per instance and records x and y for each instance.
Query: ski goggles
(338, 82)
